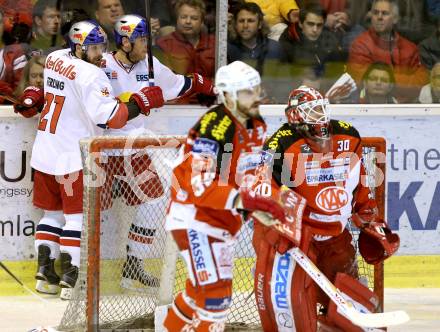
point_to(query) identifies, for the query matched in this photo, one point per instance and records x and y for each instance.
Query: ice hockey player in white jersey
(127, 70)
(78, 102)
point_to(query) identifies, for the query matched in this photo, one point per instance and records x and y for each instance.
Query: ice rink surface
(22, 313)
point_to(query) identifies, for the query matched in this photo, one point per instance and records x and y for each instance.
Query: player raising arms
(203, 220)
(320, 159)
(78, 102)
(127, 70)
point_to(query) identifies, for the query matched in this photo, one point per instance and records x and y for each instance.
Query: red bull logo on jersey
(57, 65)
(332, 199)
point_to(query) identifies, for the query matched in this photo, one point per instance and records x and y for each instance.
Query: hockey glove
(202, 85)
(377, 242)
(204, 90)
(148, 98)
(250, 201)
(31, 102)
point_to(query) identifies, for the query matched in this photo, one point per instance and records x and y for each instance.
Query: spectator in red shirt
(381, 43)
(189, 49)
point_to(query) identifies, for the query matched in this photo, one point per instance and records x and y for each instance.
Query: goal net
(126, 190)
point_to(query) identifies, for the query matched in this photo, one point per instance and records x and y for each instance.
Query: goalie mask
(307, 111)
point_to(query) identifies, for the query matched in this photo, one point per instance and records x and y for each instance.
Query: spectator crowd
(391, 48)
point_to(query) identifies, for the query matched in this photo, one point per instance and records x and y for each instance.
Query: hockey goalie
(320, 160)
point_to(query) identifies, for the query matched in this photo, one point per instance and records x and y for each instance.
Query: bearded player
(127, 70)
(320, 159)
(78, 102)
(203, 215)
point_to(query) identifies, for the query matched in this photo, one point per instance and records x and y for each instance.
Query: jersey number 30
(46, 115)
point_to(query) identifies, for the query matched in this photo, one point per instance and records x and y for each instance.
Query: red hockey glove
(31, 102)
(148, 98)
(204, 90)
(250, 201)
(377, 242)
(282, 211)
(202, 85)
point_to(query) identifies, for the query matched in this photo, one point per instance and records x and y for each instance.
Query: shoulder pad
(340, 127)
(283, 137)
(216, 124)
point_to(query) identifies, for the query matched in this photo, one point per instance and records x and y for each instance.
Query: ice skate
(69, 277)
(133, 271)
(47, 279)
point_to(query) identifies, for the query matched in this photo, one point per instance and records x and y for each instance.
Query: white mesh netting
(132, 239)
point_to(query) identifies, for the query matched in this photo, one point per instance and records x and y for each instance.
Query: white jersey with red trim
(79, 100)
(128, 79)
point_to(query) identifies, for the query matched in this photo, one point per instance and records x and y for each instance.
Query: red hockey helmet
(307, 108)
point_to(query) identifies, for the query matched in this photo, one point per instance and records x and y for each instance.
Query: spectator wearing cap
(189, 49)
(251, 43)
(381, 43)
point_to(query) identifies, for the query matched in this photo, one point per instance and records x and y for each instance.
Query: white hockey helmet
(234, 77)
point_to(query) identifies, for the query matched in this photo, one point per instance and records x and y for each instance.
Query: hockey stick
(347, 308)
(10, 98)
(149, 41)
(19, 282)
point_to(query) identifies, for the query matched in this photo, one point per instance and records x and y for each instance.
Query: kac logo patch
(332, 199)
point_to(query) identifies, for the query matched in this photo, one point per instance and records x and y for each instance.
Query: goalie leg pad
(334, 255)
(359, 295)
(285, 295)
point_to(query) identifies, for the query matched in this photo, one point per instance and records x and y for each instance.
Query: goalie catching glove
(148, 98)
(31, 102)
(376, 241)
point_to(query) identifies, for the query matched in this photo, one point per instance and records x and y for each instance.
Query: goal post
(112, 211)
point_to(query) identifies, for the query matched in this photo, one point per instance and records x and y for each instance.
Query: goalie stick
(347, 308)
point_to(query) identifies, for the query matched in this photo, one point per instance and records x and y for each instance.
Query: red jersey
(331, 182)
(218, 153)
